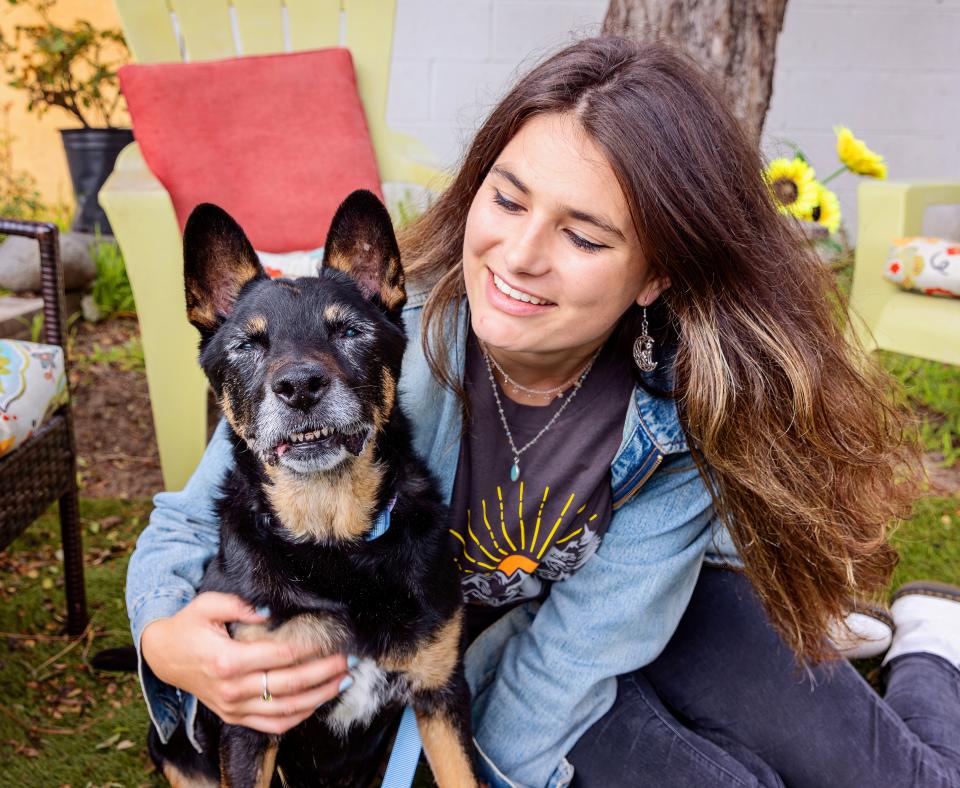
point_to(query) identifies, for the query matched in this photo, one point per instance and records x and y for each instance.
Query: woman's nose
(526, 251)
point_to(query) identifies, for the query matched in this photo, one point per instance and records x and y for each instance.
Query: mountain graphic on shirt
(503, 560)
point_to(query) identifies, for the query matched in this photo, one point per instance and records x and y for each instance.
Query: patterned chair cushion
(32, 386)
(926, 265)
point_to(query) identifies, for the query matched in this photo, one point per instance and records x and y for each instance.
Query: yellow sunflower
(855, 154)
(793, 184)
(827, 211)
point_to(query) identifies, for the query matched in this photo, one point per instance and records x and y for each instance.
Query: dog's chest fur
(382, 600)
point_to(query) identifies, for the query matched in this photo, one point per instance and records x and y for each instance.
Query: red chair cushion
(276, 140)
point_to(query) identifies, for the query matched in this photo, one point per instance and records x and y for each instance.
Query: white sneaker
(926, 615)
(866, 632)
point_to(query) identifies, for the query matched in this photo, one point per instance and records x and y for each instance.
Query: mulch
(116, 446)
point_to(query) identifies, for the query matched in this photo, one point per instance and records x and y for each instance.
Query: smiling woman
(547, 281)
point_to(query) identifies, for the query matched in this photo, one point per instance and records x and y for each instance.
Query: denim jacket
(546, 671)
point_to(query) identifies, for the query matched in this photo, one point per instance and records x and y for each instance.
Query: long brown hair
(805, 457)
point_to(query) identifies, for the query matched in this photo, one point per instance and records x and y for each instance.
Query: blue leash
(406, 753)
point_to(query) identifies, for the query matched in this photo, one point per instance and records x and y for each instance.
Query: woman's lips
(510, 305)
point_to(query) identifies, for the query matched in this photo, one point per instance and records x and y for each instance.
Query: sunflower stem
(833, 175)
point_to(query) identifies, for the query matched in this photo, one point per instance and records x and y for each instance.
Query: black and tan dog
(306, 371)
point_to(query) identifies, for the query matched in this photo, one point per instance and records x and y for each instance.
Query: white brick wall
(452, 60)
(888, 69)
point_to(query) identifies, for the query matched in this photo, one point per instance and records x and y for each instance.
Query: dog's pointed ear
(218, 261)
(361, 243)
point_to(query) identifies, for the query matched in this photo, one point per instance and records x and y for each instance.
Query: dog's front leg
(441, 700)
(443, 717)
(247, 757)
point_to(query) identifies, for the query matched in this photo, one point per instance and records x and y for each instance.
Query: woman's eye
(583, 243)
(504, 203)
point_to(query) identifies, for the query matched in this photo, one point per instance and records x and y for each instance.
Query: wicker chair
(43, 468)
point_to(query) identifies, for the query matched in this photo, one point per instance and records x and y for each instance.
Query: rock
(16, 316)
(20, 262)
(91, 312)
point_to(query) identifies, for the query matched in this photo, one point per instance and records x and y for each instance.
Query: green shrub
(111, 288)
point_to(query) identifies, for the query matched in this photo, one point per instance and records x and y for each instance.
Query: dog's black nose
(300, 385)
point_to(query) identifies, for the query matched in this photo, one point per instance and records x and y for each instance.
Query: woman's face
(550, 256)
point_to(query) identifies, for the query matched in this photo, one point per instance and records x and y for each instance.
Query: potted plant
(74, 69)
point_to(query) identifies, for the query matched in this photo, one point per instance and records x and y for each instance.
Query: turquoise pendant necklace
(515, 468)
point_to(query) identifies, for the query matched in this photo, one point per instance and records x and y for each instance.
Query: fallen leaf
(126, 744)
(108, 742)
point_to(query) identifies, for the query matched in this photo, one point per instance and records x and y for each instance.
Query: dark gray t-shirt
(513, 539)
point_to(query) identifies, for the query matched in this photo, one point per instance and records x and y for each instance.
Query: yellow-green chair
(140, 210)
(883, 315)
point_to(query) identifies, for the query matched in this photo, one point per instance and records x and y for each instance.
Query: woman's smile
(514, 302)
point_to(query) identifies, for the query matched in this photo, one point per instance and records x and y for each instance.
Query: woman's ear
(651, 291)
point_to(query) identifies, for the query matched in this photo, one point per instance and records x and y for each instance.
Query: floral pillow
(32, 386)
(926, 265)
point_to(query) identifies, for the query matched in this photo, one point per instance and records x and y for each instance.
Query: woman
(646, 363)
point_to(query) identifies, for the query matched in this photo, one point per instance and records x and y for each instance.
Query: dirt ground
(114, 427)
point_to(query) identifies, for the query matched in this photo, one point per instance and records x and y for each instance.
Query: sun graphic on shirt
(482, 549)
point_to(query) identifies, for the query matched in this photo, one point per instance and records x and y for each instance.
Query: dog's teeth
(325, 432)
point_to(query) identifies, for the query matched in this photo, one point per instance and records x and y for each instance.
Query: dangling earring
(643, 347)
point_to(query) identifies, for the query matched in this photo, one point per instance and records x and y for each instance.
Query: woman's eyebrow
(573, 213)
(503, 172)
(589, 218)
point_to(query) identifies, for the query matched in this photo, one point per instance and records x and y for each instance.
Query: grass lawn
(62, 723)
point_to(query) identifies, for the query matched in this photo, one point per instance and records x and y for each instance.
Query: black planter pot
(91, 154)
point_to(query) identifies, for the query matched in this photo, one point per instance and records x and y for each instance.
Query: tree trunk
(734, 40)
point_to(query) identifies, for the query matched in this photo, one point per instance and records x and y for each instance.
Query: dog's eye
(250, 342)
(349, 332)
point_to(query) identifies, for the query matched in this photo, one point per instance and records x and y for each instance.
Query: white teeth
(300, 437)
(503, 287)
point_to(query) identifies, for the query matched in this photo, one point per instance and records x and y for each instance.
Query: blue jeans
(726, 705)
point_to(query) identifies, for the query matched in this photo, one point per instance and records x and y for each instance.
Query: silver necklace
(556, 391)
(515, 468)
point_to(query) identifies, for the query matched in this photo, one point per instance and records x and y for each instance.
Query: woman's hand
(192, 650)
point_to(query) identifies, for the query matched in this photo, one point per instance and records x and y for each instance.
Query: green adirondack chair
(140, 210)
(883, 315)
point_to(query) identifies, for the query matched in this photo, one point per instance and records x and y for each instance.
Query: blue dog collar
(382, 524)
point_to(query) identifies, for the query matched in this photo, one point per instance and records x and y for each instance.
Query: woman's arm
(181, 638)
(613, 616)
(182, 537)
